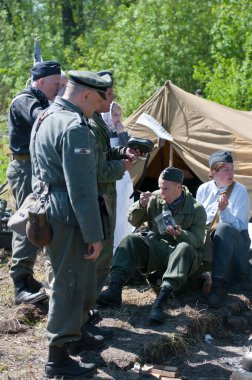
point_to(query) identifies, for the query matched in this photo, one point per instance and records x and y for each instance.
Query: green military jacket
(110, 166)
(62, 155)
(191, 217)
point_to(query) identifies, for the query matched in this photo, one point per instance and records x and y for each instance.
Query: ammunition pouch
(144, 145)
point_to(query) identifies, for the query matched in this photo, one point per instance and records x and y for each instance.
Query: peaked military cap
(91, 80)
(172, 174)
(45, 69)
(220, 156)
(102, 73)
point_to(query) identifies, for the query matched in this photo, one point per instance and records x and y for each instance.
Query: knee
(184, 249)
(223, 229)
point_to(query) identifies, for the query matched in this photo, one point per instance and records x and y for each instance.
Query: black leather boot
(112, 296)
(218, 292)
(157, 315)
(87, 342)
(106, 333)
(34, 285)
(60, 364)
(23, 293)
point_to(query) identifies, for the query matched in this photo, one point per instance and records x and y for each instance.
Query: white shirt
(237, 211)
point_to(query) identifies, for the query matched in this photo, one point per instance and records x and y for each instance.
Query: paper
(154, 125)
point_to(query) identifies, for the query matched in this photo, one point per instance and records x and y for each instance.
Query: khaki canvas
(199, 127)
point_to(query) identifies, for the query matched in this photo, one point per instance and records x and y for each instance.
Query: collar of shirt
(70, 106)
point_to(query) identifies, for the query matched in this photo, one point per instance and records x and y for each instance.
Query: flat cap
(45, 69)
(220, 156)
(172, 174)
(102, 73)
(91, 80)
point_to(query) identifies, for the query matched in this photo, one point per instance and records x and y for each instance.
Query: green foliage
(193, 43)
(4, 155)
(227, 77)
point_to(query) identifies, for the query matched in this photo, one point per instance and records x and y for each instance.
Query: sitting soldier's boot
(112, 296)
(60, 364)
(23, 293)
(157, 316)
(218, 292)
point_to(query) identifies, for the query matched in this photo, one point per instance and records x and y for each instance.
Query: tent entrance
(160, 162)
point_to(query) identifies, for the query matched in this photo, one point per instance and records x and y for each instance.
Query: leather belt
(25, 157)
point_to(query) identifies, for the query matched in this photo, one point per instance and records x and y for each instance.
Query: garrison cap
(102, 73)
(220, 156)
(172, 174)
(91, 80)
(45, 69)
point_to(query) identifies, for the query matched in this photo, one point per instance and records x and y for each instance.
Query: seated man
(227, 204)
(176, 250)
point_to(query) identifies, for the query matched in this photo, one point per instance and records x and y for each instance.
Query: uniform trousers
(230, 252)
(74, 287)
(149, 254)
(24, 254)
(104, 261)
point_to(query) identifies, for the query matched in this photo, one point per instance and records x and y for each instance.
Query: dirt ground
(181, 341)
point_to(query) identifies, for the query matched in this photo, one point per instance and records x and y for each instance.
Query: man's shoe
(95, 330)
(157, 316)
(60, 365)
(30, 298)
(94, 316)
(34, 285)
(87, 342)
(218, 292)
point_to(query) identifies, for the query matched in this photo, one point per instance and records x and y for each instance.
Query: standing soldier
(112, 163)
(23, 112)
(62, 151)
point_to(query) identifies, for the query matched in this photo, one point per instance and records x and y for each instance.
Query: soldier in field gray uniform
(176, 251)
(62, 152)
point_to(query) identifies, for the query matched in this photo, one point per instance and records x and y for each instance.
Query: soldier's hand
(127, 164)
(223, 201)
(133, 153)
(144, 198)
(174, 231)
(94, 250)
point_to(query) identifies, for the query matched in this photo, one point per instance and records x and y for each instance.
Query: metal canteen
(247, 361)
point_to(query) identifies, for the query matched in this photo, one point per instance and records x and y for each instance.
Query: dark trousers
(24, 253)
(150, 254)
(230, 253)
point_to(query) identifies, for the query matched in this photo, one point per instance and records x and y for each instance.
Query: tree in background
(227, 76)
(145, 42)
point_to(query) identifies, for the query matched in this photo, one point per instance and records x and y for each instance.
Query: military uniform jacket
(110, 166)
(62, 154)
(23, 112)
(191, 217)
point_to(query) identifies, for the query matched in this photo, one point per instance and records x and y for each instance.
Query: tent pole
(171, 155)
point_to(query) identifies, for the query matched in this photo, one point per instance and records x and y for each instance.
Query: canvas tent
(199, 127)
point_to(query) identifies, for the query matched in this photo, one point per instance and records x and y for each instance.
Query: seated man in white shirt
(229, 201)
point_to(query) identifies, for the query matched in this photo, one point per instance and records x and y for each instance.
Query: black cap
(172, 174)
(220, 156)
(102, 73)
(198, 92)
(45, 69)
(91, 80)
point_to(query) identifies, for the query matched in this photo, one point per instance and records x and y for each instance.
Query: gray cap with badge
(91, 80)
